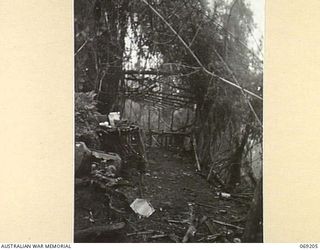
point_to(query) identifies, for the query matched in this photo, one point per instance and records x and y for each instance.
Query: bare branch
(196, 58)
(242, 91)
(81, 47)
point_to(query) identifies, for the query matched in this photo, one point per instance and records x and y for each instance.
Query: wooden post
(254, 226)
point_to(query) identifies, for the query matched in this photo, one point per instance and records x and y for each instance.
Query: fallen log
(84, 235)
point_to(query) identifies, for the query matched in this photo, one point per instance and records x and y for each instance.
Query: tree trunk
(254, 226)
(111, 46)
(236, 159)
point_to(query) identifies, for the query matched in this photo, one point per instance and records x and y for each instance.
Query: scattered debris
(113, 117)
(192, 221)
(224, 195)
(84, 234)
(222, 211)
(244, 196)
(210, 226)
(210, 237)
(205, 205)
(189, 234)
(82, 159)
(158, 236)
(173, 222)
(174, 238)
(236, 240)
(215, 175)
(141, 233)
(90, 217)
(105, 124)
(226, 224)
(142, 207)
(118, 202)
(177, 221)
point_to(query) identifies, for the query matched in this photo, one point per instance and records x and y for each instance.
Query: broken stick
(226, 224)
(194, 144)
(192, 220)
(210, 226)
(83, 234)
(141, 233)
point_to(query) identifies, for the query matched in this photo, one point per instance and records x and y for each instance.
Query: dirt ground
(171, 183)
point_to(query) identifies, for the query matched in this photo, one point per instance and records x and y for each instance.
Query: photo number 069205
(168, 121)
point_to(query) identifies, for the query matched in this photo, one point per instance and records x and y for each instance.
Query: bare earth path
(171, 183)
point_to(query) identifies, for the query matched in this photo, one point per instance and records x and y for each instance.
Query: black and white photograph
(168, 121)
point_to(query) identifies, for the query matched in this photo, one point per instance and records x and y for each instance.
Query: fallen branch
(82, 235)
(194, 144)
(241, 88)
(194, 55)
(131, 225)
(192, 220)
(158, 236)
(245, 196)
(205, 205)
(226, 224)
(240, 201)
(81, 47)
(174, 238)
(141, 233)
(240, 220)
(210, 226)
(155, 140)
(177, 221)
(215, 176)
(210, 237)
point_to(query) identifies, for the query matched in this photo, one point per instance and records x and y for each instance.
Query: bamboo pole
(159, 116)
(194, 144)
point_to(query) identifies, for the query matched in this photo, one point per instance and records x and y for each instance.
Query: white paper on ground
(142, 207)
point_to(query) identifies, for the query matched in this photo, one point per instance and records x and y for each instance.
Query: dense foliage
(175, 55)
(86, 121)
(111, 35)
